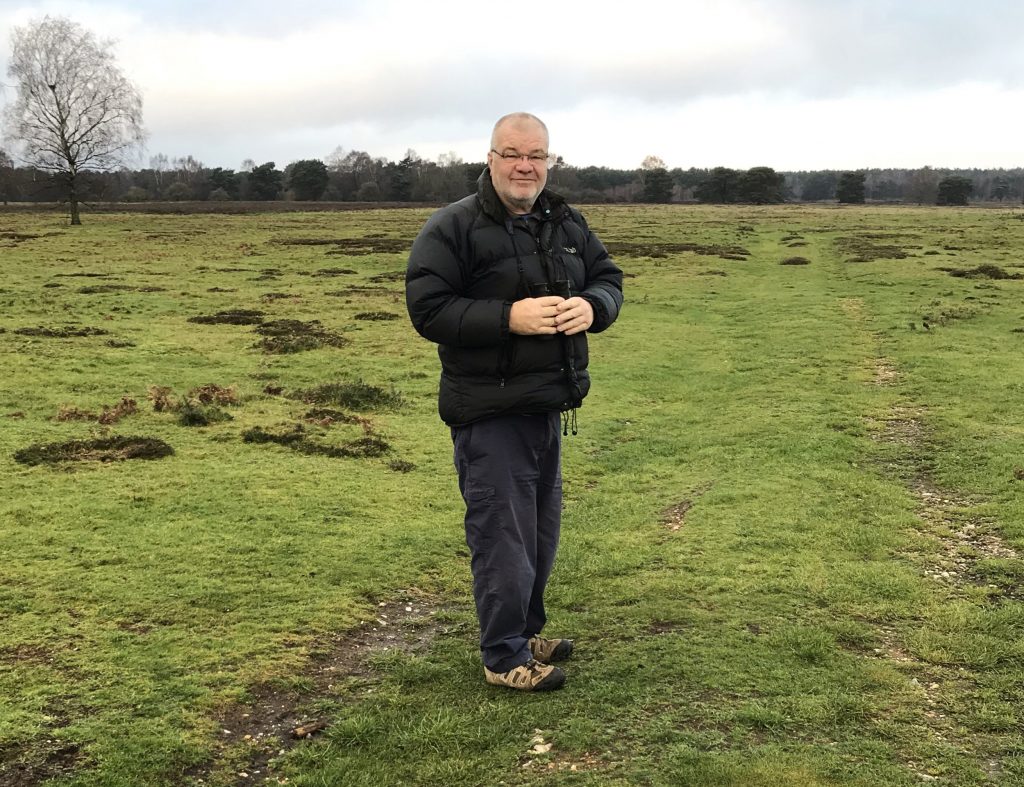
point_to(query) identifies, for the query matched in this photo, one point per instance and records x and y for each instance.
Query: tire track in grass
(959, 536)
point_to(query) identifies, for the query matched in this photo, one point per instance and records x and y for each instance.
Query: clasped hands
(550, 314)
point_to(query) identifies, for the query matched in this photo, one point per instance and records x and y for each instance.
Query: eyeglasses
(510, 156)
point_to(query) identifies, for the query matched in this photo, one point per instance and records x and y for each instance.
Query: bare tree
(159, 164)
(75, 111)
(6, 170)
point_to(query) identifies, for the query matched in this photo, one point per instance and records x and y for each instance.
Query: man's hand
(574, 315)
(535, 316)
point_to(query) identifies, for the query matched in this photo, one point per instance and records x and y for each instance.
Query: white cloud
(787, 83)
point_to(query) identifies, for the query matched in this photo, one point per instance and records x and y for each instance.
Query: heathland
(231, 536)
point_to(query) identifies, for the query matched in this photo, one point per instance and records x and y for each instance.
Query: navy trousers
(511, 479)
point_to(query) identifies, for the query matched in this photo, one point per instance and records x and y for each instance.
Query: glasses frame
(533, 159)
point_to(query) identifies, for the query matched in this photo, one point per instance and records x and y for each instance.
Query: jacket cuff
(600, 311)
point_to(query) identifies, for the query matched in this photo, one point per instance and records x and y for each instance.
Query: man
(507, 282)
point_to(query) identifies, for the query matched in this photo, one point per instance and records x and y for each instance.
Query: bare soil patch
(356, 395)
(674, 516)
(102, 288)
(358, 290)
(986, 271)
(54, 759)
(376, 316)
(863, 248)
(662, 250)
(104, 449)
(275, 719)
(99, 289)
(388, 276)
(352, 247)
(334, 272)
(296, 438)
(795, 261)
(230, 317)
(282, 337)
(65, 332)
(325, 416)
(16, 237)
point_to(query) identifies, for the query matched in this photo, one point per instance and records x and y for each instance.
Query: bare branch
(75, 110)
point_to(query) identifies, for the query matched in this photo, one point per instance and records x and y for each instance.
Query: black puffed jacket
(470, 262)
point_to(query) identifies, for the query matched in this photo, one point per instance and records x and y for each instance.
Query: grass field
(792, 539)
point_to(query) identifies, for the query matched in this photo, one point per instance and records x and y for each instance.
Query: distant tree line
(356, 176)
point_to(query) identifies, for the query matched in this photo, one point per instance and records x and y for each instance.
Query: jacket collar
(549, 205)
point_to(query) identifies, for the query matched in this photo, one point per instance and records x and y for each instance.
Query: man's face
(519, 181)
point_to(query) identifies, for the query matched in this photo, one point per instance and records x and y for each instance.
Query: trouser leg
(509, 478)
(549, 518)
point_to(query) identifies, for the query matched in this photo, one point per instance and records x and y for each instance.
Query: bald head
(517, 120)
(517, 160)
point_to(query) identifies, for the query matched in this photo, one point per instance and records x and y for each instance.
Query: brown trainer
(548, 650)
(531, 676)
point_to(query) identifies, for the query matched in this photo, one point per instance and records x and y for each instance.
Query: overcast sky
(790, 84)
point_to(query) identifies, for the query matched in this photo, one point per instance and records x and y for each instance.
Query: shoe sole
(553, 681)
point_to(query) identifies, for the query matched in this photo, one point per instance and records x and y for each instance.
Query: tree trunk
(76, 220)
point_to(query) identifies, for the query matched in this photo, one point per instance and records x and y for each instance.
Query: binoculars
(558, 287)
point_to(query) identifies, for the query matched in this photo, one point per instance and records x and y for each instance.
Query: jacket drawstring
(569, 421)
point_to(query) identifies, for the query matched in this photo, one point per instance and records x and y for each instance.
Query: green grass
(838, 434)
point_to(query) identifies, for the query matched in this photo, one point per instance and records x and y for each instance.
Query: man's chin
(520, 204)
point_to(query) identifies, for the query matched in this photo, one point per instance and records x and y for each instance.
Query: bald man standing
(508, 282)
